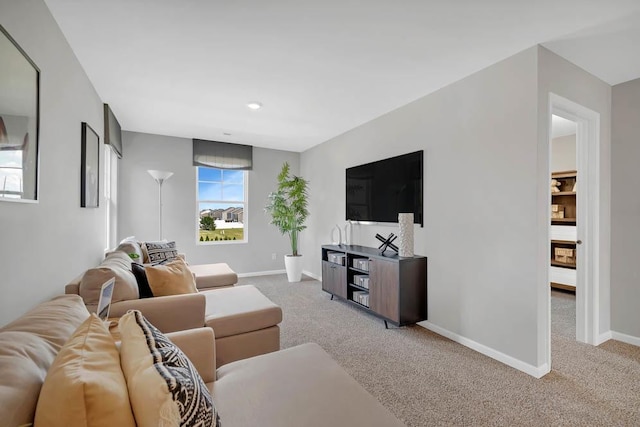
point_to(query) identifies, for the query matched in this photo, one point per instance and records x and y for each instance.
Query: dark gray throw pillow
(141, 279)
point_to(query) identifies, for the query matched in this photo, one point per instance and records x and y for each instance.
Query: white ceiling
(188, 68)
(562, 127)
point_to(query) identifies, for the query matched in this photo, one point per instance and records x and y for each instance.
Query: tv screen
(378, 191)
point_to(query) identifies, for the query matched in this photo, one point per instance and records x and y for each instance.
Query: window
(221, 204)
(111, 195)
(11, 174)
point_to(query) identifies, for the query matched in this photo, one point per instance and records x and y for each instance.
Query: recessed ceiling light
(226, 134)
(254, 105)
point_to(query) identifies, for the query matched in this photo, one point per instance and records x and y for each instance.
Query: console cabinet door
(384, 291)
(334, 279)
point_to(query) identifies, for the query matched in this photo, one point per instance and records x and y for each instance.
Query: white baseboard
(604, 337)
(310, 274)
(274, 272)
(534, 371)
(262, 273)
(629, 339)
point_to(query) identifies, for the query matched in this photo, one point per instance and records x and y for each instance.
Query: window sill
(221, 242)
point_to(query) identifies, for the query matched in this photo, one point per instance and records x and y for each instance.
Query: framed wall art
(19, 122)
(90, 168)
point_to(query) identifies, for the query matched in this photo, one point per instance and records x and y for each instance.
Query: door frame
(588, 213)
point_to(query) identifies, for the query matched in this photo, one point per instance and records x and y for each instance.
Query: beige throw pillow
(85, 385)
(164, 387)
(172, 278)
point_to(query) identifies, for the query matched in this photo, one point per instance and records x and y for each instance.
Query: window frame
(245, 205)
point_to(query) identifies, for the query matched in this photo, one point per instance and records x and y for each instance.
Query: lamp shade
(160, 175)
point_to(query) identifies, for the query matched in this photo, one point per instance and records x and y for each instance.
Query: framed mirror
(19, 122)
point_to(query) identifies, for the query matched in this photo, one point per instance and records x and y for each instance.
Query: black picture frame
(19, 123)
(90, 168)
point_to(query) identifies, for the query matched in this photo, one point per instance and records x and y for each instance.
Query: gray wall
(559, 76)
(45, 245)
(480, 144)
(138, 202)
(563, 153)
(625, 209)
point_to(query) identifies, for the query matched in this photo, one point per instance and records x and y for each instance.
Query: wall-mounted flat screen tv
(378, 191)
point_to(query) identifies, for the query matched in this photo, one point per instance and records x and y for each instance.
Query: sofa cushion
(116, 264)
(172, 278)
(299, 386)
(164, 386)
(85, 384)
(160, 251)
(213, 275)
(141, 278)
(28, 346)
(239, 309)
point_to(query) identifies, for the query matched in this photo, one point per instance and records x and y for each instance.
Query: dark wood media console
(388, 286)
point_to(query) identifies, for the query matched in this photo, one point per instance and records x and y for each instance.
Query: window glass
(221, 205)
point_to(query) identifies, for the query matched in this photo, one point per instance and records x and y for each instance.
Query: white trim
(629, 339)
(274, 272)
(534, 371)
(312, 275)
(604, 337)
(8, 199)
(262, 273)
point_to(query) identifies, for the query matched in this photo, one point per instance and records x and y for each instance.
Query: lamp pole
(160, 177)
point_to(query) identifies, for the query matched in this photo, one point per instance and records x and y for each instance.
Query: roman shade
(112, 131)
(222, 155)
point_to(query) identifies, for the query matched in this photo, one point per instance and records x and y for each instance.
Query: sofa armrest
(169, 314)
(199, 346)
(73, 287)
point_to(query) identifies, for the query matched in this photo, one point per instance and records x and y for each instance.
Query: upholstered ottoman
(244, 321)
(211, 276)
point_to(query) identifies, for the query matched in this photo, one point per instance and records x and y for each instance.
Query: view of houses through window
(221, 205)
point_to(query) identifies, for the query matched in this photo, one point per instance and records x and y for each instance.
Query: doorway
(586, 211)
(563, 236)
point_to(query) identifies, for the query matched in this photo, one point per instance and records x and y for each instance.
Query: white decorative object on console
(406, 234)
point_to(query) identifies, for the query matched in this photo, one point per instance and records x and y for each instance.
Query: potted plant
(288, 208)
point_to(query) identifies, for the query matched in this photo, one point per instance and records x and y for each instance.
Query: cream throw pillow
(164, 386)
(172, 278)
(85, 385)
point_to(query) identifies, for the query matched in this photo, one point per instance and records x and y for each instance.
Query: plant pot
(293, 265)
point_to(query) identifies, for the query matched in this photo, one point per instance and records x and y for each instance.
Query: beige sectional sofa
(244, 320)
(300, 386)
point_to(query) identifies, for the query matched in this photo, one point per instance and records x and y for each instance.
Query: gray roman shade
(112, 131)
(222, 155)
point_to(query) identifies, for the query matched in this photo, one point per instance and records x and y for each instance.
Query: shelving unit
(387, 286)
(563, 249)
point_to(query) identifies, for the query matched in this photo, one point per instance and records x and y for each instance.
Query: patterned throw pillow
(165, 388)
(161, 251)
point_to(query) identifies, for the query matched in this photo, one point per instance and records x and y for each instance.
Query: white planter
(293, 265)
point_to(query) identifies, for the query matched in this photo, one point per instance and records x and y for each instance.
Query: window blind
(222, 155)
(112, 131)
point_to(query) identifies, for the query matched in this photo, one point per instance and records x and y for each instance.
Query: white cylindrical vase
(405, 247)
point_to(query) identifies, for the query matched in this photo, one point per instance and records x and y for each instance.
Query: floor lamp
(160, 177)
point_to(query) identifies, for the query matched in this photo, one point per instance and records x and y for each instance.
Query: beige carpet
(427, 380)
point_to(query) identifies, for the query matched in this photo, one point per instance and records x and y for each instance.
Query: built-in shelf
(562, 264)
(564, 201)
(359, 270)
(563, 219)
